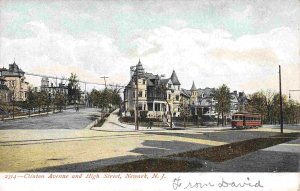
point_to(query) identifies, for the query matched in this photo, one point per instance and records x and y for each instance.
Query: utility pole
(85, 96)
(137, 100)
(281, 112)
(13, 102)
(104, 77)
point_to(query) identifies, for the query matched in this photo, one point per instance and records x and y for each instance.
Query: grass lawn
(151, 165)
(183, 162)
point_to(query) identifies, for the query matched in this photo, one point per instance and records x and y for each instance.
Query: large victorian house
(13, 78)
(159, 96)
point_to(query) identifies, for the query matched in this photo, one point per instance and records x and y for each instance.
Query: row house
(157, 95)
(14, 79)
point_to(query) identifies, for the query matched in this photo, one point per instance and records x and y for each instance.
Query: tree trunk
(218, 119)
(222, 119)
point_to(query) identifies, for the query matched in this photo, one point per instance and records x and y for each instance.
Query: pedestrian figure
(150, 124)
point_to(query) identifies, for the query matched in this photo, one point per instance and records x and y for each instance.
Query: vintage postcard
(149, 95)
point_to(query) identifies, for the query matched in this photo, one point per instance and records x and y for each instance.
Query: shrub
(143, 115)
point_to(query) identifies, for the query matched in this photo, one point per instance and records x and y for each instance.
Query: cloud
(246, 63)
(211, 59)
(58, 54)
(255, 55)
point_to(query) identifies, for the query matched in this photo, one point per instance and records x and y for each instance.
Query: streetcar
(246, 120)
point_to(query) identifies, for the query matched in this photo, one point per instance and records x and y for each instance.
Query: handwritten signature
(178, 183)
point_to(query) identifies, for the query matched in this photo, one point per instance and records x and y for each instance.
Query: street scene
(148, 86)
(74, 147)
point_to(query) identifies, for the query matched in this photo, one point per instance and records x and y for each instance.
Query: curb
(27, 116)
(91, 125)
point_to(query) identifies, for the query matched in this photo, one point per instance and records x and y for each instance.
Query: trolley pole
(280, 94)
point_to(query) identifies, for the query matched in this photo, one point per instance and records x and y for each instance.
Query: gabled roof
(186, 93)
(174, 78)
(165, 81)
(151, 76)
(149, 83)
(208, 92)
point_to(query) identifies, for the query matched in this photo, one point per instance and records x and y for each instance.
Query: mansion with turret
(157, 95)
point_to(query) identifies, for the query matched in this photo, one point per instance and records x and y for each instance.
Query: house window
(133, 94)
(169, 96)
(157, 107)
(144, 82)
(140, 94)
(145, 93)
(177, 97)
(169, 85)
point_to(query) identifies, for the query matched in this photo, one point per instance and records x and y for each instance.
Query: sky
(239, 43)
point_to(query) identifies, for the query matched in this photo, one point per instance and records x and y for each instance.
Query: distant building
(53, 89)
(201, 101)
(15, 81)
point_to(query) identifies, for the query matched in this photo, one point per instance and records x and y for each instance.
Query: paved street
(60, 143)
(68, 119)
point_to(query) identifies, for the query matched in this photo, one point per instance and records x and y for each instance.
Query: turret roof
(174, 78)
(193, 87)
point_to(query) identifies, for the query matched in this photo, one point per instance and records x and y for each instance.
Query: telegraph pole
(104, 77)
(137, 100)
(280, 94)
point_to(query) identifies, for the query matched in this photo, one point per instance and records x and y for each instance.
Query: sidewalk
(112, 123)
(31, 115)
(279, 158)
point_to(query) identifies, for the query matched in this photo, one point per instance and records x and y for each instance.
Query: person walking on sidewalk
(150, 124)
